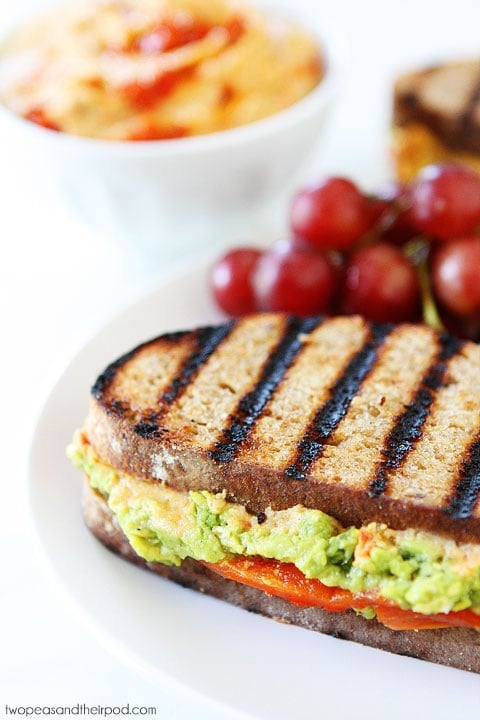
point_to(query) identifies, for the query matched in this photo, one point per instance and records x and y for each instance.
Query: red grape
(446, 201)
(231, 281)
(331, 215)
(396, 223)
(346, 254)
(381, 284)
(379, 210)
(461, 327)
(456, 277)
(294, 279)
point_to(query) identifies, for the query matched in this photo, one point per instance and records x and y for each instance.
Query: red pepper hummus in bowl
(155, 69)
(170, 125)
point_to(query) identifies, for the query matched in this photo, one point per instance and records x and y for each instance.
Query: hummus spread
(414, 569)
(155, 69)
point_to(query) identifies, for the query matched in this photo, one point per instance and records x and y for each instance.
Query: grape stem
(418, 251)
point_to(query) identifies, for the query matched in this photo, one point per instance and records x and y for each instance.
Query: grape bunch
(407, 253)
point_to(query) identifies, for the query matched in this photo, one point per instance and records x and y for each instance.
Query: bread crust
(455, 647)
(172, 460)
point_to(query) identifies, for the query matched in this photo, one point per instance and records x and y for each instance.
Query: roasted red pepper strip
(286, 581)
(39, 117)
(165, 37)
(153, 132)
(170, 35)
(145, 96)
(398, 619)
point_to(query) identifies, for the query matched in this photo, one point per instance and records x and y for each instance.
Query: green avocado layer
(417, 570)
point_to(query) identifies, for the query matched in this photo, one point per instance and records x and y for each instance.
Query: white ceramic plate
(238, 659)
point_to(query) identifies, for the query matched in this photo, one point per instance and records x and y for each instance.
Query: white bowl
(163, 199)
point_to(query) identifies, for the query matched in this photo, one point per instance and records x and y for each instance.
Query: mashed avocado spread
(417, 570)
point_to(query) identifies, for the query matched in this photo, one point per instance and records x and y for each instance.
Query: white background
(59, 281)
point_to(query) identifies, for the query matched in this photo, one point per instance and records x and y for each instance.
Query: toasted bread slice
(366, 422)
(436, 117)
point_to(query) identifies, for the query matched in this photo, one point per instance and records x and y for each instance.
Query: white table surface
(59, 280)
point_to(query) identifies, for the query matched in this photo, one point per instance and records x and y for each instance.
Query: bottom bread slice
(456, 647)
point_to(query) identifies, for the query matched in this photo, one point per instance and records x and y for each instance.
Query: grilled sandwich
(324, 472)
(436, 117)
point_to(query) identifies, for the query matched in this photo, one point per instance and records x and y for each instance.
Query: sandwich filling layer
(411, 569)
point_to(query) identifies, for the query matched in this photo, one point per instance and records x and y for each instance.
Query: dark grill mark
(208, 340)
(467, 490)
(106, 377)
(253, 403)
(147, 429)
(119, 407)
(104, 380)
(175, 337)
(409, 425)
(328, 417)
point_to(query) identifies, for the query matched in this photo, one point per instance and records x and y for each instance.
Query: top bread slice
(444, 98)
(366, 422)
